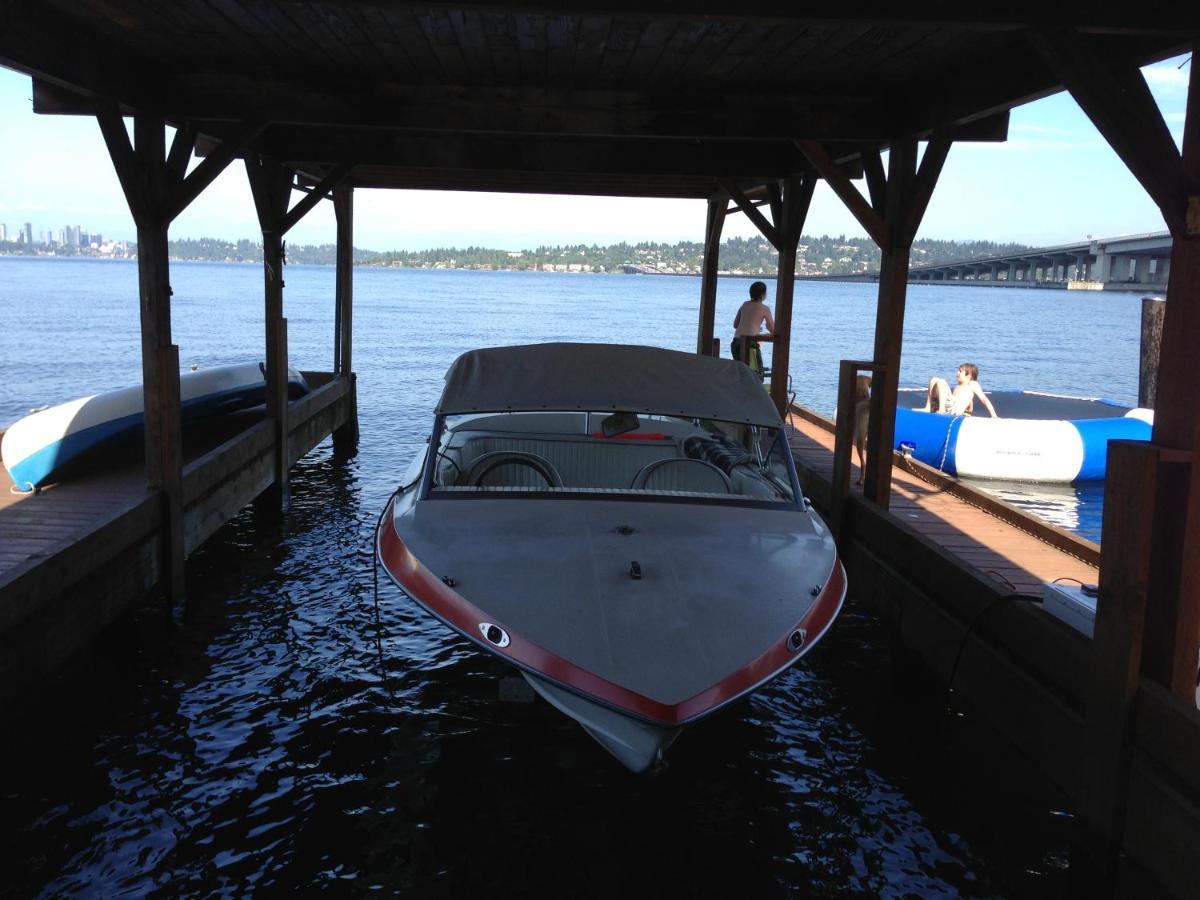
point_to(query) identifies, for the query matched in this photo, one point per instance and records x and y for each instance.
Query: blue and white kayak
(1038, 437)
(37, 448)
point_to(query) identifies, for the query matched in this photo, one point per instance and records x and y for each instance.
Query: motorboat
(52, 442)
(623, 525)
(1038, 437)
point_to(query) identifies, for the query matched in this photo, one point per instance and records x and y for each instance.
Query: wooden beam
(270, 184)
(1117, 644)
(795, 202)
(889, 325)
(876, 180)
(170, 466)
(189, 188)
(754, 161)
(1173, 617)
(751, 211)
(343, 211)
(120, 150)
(343, 207)
(1115, 97)
(930, 170)
(182, 146)
(540, 110)
(871, 222)
(775, 201)
(988, 19)
(708, 275)
(316, 195)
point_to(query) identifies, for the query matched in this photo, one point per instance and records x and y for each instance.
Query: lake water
(289, 734)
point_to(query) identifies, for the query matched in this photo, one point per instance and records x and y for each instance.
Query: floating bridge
(1139, 262)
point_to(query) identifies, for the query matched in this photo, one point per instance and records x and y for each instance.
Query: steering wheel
(489, 461)
(692, 475)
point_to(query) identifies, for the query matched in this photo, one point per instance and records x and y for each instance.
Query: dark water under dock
(290, 733)
(286, 735)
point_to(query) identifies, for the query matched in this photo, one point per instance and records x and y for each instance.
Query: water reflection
(1074, 507)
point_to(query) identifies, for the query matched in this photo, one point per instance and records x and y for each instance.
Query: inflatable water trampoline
(1038, 437)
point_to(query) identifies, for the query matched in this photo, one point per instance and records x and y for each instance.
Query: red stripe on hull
(450, 606)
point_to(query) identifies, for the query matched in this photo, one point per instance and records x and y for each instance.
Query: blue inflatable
(1037, 437)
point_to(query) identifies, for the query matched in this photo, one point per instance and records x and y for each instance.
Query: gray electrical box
(1071, 604)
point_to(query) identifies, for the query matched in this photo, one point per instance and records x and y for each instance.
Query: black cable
(995, 601)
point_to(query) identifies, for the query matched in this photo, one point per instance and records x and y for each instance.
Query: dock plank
(976, 536)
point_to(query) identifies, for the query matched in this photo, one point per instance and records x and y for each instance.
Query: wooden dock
(77, 555)
(955, 575)
(1017, 550)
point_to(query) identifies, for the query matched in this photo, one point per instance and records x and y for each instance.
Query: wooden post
(1133, 469)
(1152, 324)
(889, 323)
(839, 488)
(343, 209)
(892, 219)
(843, 446)
(276, 353)
(708, 275)
(157, 188)
(170, 465)
(797, 196)
(1173, 621)
(271, 185)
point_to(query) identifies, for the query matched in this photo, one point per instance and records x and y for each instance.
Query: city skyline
(1054, 181)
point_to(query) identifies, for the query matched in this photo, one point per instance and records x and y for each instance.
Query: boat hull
(42, 446)
(634, 661)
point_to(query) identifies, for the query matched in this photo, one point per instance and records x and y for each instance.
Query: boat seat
(692, 475)
(508, 467)
(581, 462)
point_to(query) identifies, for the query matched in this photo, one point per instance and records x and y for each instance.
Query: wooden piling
(343, 210)
(1116, 657)
(792, 211)
(708, 274)
(1151, 342)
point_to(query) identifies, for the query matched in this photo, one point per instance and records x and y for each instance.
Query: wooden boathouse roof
(600, 98)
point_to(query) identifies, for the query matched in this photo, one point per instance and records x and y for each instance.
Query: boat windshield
(612, 453)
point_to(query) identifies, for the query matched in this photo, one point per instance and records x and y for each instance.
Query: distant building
(27, 234)
(3, 234)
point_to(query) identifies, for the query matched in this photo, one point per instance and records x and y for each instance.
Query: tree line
(824, 254)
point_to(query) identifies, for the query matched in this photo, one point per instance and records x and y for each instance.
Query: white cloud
(1031, 128)
(1167, 75)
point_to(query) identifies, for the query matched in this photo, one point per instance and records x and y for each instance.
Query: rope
(946, 444)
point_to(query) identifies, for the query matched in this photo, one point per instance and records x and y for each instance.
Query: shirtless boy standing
(960, 401)
(751, 316)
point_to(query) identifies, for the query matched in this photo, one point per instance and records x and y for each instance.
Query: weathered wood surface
(1019, 556)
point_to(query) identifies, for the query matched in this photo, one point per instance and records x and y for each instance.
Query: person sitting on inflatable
(960, 401)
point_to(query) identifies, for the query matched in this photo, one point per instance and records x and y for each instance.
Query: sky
(1054, 181)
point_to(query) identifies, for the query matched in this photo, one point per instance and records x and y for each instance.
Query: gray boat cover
(597, 377)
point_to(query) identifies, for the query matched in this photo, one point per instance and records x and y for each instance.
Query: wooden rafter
(316, 195)
(717, 207)
(876, 180)
(184, 191)
(867, 217)
(1117, 100)
(926, 180)
(738, 196)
